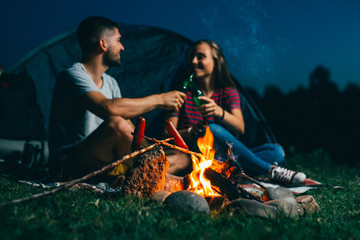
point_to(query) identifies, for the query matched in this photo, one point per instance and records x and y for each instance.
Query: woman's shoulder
(231, 89)
(227, 90)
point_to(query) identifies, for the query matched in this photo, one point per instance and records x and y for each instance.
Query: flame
(198, 182)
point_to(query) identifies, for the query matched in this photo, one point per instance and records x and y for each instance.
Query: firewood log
(147, 176)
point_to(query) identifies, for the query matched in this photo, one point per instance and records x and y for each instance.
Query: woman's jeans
(254, 161)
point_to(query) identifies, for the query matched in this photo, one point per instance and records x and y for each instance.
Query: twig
(252, 179)
(90, 175)
(175, 147)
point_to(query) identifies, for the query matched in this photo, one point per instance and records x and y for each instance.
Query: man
(90, 123)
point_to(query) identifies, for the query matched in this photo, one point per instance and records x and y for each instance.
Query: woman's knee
(270, 153)
(279, 149)
(280, 153)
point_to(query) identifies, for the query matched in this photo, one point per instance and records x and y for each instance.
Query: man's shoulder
(76, 68)
(110, 80)
(74, 72)
(107, 76)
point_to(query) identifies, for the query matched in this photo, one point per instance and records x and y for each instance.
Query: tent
(153, 62)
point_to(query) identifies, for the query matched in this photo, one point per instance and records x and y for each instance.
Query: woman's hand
(210, 108)
(233, 119)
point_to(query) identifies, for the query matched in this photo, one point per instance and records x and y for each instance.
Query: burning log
(147, 175)
(230, 190)
(232, 169)
(224, 186)
(220, 183)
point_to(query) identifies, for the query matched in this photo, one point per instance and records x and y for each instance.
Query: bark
(147, 176)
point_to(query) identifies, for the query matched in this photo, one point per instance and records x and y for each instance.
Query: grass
(84, 214)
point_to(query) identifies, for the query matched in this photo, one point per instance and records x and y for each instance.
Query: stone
(286, 206)
(307, 205)
(160, 196)
(147, 176)
(247, 207)
(216, 203)
(276, 193)
(187, 201)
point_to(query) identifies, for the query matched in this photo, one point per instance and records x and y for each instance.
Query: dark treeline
(320, 116)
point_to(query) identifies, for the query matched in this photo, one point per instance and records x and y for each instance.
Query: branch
(90, 175)
(175, 147)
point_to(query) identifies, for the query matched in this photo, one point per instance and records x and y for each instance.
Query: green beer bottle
(190, 85)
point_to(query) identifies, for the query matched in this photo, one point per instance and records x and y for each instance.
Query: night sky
(265, 42)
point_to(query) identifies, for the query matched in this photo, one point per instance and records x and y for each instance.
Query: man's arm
(128, 108)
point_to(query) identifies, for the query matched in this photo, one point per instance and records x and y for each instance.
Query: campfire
(210, 179)
(198, 181)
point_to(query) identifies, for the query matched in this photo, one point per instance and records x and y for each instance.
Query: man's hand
(172, 100)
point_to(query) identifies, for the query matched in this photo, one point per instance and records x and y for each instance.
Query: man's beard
(110, 61)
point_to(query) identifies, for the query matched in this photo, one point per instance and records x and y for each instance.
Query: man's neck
(95, 69)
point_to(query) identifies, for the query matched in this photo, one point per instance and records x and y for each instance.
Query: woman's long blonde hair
(222, 74)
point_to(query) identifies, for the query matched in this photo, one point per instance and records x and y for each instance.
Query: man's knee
(120, 127)
(180, 163)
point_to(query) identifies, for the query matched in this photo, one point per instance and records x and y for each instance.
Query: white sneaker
(286, 176)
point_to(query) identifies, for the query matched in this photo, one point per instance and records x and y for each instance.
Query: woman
(222, 112)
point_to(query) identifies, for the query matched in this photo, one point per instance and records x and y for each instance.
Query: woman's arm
(234, 120)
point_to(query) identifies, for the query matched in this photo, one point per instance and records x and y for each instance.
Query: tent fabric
(153, 62)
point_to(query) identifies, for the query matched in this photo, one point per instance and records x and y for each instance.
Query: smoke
(237, 26)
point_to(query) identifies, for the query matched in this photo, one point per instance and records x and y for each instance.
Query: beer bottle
(190, 85)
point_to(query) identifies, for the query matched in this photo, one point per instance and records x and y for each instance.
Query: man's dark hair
(90, 30)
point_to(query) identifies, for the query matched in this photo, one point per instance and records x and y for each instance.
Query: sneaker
(286, 176)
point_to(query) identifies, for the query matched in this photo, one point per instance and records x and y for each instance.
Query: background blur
(265, 42)
(299, 60)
